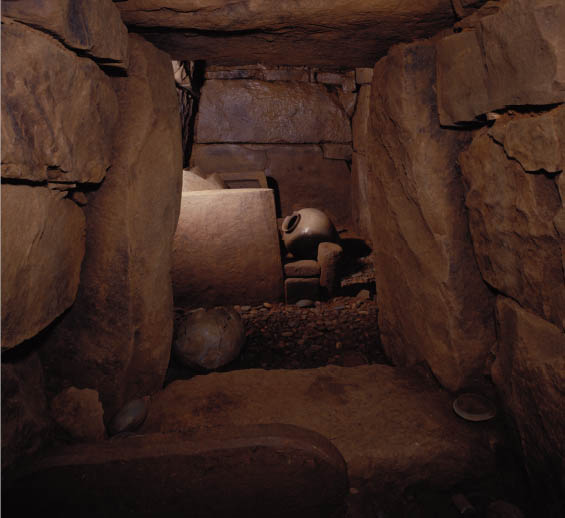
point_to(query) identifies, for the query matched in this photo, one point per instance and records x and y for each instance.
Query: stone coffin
(226, 248)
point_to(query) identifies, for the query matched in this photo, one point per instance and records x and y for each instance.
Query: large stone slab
(529, 373)
(300, 175)
(294, 32)
(25, 418)
(58, 110)
(393, 428)
(123, 316)
(226, 248)
(269, 112)
(42, 252)
(433, 304)
(511, 216)
(94, 28)
(513, 57)
(261, 470)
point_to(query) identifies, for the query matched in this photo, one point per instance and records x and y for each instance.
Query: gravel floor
(340, 331)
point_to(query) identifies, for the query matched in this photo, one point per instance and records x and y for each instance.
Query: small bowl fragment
(474, 407)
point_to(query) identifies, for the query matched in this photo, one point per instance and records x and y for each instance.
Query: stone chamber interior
(173, 346)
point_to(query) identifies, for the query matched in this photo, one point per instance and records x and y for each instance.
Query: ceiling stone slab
(291, 32)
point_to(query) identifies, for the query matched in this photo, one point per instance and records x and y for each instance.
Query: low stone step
(394, 427)
(261, 470)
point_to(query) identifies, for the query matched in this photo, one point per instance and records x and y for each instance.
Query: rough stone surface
(25, 417)
(511, 217)
(537, 142)
(42, 252)
(299, 174)
(262, 470)
(79, 413)
(360, 120)
(195, 180)
(329, 258)
(304, 268)
(58, 110)
(515, 57)
(226, 248)
(269, 112)
(95, 28)
(337, 151)
(348, 100)
(341, 32)
(529, 373)
(362, 410)
(296, 288)
(364, 75)
(123, 315)
(428, 285)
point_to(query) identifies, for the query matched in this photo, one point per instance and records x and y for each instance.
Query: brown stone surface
(58, 110)
(303, 177)
(262, 470)
(94, 28)
(269, 112)
(360, 119)
(195, 180)
(348, 101)
(42, 252)
(226, 248)
(511, 216)
(393, 428)
(296, 32)
(461, 78)
(79, 413)
(515, 57)
(364, 75)
(25, 418)
(360, 209)
(329, 258)
(537, 142)
(303, 268)
(529, 373)
(123, 315)
(433, 304)
(296, 288)
(337, 151)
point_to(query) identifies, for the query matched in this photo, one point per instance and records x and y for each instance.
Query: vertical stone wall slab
(226, 248)
(433, 304)
(511, 215)
(117, 337)
(529, 374)
(42, 251)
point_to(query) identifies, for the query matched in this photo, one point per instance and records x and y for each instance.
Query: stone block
(337, 151)
(303, 268)
(329, 258)
(287, 74)
(269, 112)
(429, 287)
(195, 180)
(361, 119)
(348, 100)
(300, 174)
(364, 75)
(226, 248)
(462, 93)
(360, 203)
(511, 213)
(93, 28)
(258, 470)
(296, 289)
(79, 413)
(25, 416)
(536, 142)
(42, 252)
(123, 315)
(362, 409)
(65, 134)
(529, 373)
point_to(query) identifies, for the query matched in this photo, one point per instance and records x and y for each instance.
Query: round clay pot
(209, 338)
(304, 230)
